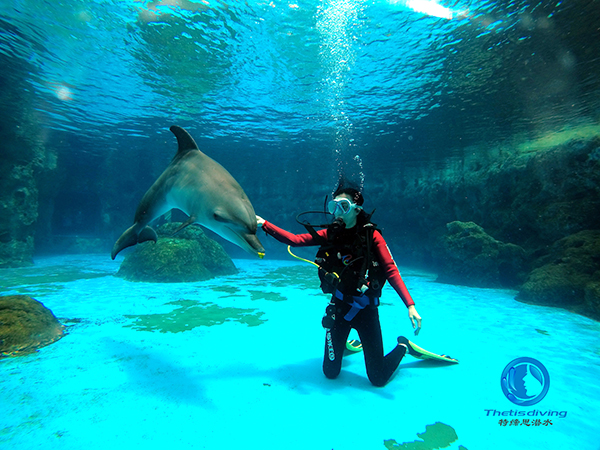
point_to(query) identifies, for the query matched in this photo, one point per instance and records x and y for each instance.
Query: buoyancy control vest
(347, 261)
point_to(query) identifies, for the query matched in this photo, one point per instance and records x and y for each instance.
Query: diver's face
(346, 210)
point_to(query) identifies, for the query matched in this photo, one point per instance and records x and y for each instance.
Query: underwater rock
(469, 256)
(16, 253)
(186, 256)
(26, 325)
(18, 207)
(568, 275)
(530, 196)
(592, 299)
(25, 157)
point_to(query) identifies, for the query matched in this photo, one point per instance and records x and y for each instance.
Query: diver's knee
(377, 380)
(331, 372)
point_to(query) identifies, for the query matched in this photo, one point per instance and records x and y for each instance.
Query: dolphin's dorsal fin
(185, 142)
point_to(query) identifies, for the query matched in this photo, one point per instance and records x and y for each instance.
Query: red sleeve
(390, 269)
(295, 240)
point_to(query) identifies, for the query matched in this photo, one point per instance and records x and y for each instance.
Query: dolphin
(202, 188)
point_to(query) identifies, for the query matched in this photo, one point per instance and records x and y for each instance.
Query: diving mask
(340, 206)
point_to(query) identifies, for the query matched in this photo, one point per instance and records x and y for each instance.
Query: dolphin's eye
(219, 218)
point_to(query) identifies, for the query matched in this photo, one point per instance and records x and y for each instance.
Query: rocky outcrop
(467, 255)
(568, 275)
(186, 256)
(25, 158)
(531, 197)
(26, 325)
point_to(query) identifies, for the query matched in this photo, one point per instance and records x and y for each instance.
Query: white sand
(107, 385)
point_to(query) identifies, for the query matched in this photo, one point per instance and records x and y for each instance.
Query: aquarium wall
(479, 141)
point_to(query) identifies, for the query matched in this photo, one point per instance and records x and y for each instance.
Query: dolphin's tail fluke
(131, 237)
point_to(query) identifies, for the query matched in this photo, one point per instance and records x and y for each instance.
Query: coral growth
(469, 256)
(568, 275)
(186, 256)
(26, 325)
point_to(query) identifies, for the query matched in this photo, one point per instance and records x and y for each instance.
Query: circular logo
(525, 381)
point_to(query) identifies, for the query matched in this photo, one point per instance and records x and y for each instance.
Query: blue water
(376, 78)
(112, 382)
(283, 94)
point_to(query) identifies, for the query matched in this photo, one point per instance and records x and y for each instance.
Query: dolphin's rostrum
(201, 188)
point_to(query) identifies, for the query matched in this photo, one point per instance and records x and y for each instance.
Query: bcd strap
(375, 284)
(369, 259)
(320, 239)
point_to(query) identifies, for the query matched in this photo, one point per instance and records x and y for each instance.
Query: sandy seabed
(235, 362)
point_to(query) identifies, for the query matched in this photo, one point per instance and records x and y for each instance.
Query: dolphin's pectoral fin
(147, 234)
(190, 221)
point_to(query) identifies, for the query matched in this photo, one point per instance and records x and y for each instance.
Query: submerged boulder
(187, 256)
(568, 275)
(468, 256)
(26, 325)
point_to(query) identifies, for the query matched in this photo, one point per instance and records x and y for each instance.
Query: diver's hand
(415, 319)
(260, 221)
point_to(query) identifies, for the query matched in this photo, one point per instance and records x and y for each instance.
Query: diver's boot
(420, 353)
(410, 347)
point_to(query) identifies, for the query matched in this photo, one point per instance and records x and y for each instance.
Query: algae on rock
(568, 275)
(26, 325)
(469, 256)
(186, 256)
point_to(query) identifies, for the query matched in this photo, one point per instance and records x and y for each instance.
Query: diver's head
(345, 206)
(353, 194)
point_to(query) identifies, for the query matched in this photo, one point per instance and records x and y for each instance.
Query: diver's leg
(380, 368)
(335, 344)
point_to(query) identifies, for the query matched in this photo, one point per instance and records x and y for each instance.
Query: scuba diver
(354, 263)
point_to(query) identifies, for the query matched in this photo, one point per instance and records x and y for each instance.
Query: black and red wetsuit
(380, 368)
